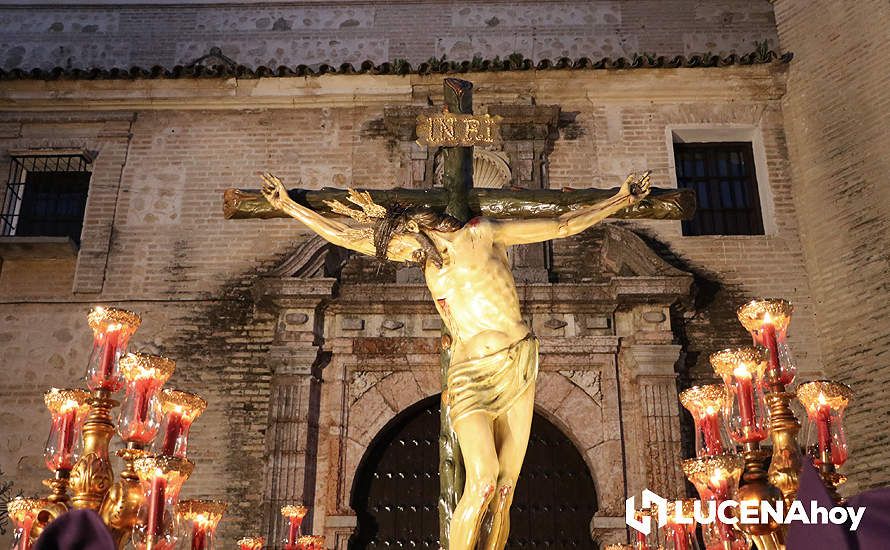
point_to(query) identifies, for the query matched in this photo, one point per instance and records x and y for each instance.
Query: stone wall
(837, 112)
(157, 243)
(293, 33)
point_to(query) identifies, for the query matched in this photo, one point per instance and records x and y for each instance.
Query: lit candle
(174, 428)
(823, 426)
(251, 543)
(109, 352)
(745, 395)
(768, 340)
(199, 533)
(679, 536)
(24, 542)
(711, 432)
(293, 531)
(68, 421)
(155, 527)
(294, 515)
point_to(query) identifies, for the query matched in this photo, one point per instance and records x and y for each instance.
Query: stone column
(292, 433)
(651, 406)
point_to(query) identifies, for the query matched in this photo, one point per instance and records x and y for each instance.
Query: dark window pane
(46, 196)
(722, 175)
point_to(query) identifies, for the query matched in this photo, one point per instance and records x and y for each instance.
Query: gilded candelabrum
(742, 370)
(767, 321)
(825, 402)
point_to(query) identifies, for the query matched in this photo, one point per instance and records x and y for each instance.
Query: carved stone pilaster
(294, 401)
(659, 422)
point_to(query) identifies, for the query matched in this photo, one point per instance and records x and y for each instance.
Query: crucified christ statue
(490, 385)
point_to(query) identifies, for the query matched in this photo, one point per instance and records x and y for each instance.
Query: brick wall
(837, 111)
(295, 33)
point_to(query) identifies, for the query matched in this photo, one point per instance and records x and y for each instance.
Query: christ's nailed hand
(274, 190)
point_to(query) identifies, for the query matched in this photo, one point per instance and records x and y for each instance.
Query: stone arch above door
(396, 485)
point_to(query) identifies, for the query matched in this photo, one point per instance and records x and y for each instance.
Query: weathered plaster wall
(294, 33)
(837, 113)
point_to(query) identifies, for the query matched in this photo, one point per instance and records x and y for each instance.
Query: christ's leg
(511, 432)
(476, 437)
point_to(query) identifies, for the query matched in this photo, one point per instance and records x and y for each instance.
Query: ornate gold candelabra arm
(58, 484)
(757, 488)
(784, 469)
(122, 502)
(92, 476)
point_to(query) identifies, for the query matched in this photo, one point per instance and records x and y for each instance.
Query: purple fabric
(76, 530)
(873, 532)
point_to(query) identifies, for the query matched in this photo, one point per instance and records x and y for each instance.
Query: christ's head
(417, 220)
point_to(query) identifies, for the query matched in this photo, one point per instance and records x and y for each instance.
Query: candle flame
(767, 320)
(717, 477)
(710, 410)
(69, 405)
(114, 327)
(742, 371)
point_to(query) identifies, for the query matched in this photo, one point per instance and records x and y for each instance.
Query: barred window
(725, 183)
(46, 195)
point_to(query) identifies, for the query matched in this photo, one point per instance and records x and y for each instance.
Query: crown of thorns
(370, 210)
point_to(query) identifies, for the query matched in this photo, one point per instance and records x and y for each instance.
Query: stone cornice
(734, 83)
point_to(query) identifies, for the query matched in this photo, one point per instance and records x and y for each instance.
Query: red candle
(68, 420)
(823, 424)
(293, 531)
(106, 365)
(711, 432)
(155, 525)
(174, 429)
(25, 540)
(679, 536)
(143, 387)
(745, 395)
(199, 535)
(641, 542)
(768, 337)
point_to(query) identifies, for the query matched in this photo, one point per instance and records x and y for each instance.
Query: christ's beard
(429, 251)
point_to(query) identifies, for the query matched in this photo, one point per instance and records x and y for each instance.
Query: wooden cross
(457, 130)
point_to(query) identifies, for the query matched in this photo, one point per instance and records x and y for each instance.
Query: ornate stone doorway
(397, 484)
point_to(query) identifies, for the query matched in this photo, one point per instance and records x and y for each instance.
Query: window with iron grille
(46, 195)
(725, 183)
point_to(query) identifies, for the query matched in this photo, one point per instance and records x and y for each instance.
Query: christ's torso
(475, 292)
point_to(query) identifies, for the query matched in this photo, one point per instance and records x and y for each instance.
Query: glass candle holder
(767, 320)
(825, 402)
(140, 415)
(198, 520)
(180, 409)
(251, 543)
(679, 531)
(112, 329)
(69, 409)
(161, 478)
(311, 542)
(23, 512)
(293, 515)
(744, 412)
(706, 404)
(716, 478)
(618, 546)
(641, 541)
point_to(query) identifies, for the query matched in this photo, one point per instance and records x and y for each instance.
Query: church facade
(321, 368)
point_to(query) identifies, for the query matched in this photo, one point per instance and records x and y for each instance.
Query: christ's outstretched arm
(401, 248)
(510, 232)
